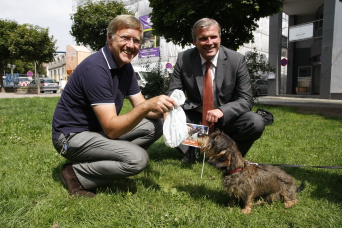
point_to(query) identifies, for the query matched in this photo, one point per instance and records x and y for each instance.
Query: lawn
(167, 193)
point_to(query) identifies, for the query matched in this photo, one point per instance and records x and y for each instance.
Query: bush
(157, 83)
(257, 63)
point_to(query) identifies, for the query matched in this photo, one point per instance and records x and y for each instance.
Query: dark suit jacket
(232, 81)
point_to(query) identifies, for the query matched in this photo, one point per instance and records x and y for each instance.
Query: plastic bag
(175, 129)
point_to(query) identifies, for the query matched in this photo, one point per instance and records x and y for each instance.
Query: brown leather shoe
(71, 182)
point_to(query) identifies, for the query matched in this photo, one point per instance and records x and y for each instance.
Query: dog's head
(215, 143)
(221, 149)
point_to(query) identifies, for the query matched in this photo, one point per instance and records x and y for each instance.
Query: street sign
(168, 66)
(29, 73)
(283, 62)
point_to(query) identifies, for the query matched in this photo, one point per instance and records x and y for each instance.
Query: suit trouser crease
(99, 160)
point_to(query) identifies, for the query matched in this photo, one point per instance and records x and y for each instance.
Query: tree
(90, 22)
(6, 27)
(24, 43)
(173, 19)
(32, 43)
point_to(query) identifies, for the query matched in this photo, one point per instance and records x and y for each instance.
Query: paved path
(297, 101)
(19, 95)
(268, 100)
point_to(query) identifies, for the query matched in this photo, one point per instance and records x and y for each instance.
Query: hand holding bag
(175, 129)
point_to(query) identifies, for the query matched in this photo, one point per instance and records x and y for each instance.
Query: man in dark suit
(232, 92)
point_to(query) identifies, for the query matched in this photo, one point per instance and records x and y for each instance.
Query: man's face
(125, 45)
(208, 41)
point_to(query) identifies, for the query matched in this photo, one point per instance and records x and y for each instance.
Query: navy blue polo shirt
(96, 80)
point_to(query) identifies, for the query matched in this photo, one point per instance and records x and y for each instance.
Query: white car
(46, 85)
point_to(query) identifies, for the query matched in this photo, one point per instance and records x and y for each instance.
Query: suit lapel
(220, 69)
(198, 73)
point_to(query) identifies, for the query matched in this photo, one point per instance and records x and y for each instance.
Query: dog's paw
(291, 203)
(247, 211)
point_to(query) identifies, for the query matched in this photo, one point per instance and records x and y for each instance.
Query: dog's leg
(248, 205)
(289, 201)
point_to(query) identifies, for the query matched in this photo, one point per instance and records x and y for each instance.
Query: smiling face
(124, 45)
(207, 40)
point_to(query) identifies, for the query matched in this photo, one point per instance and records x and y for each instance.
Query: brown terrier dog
(245, 181)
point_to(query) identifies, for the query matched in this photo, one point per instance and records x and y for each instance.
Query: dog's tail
(301, 187)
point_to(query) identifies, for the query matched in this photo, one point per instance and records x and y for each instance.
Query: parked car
(259, 87)
(46, 85)
(24, 81)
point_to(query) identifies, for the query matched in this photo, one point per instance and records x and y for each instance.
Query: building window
(318, 25)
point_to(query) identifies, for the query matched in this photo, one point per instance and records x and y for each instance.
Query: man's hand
(160, 104)
(214, 115)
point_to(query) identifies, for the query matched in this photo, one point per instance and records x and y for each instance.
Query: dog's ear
(222, 159)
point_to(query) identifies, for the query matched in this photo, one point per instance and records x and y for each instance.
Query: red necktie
(208, 97)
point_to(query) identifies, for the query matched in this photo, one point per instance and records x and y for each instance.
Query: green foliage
(6, 28)
(157, 83)
(173, 19)
(257, 62)
(166, 193)
(91, 20)
(27, 43)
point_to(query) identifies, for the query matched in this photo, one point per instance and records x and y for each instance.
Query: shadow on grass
(159, 152)
(325, 185)
(199, 192)
(120, 186)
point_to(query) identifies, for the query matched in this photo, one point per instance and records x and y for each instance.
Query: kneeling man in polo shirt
(87, 128)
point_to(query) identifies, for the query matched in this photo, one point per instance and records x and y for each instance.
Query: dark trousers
(244, 130)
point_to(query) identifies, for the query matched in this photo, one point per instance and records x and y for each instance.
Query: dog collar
(252, 163)
(235, 170)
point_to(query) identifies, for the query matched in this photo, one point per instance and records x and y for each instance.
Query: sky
(51, 14)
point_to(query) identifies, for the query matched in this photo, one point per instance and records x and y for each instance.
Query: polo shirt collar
(109, 58)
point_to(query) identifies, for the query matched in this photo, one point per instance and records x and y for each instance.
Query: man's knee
(258, 124)
(137, 165)
(248, 126)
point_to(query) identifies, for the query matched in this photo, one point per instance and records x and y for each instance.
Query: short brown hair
(123, 22)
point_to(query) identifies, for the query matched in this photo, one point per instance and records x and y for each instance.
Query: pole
(36, 78)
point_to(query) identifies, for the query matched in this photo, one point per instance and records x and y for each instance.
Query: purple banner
(146, 22)
(150, 52)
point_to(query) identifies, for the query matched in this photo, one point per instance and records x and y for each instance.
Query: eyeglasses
(128, 39)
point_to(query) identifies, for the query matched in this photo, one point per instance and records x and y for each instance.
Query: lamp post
(11, 67)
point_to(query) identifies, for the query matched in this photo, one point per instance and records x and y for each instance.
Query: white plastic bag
(175, 129)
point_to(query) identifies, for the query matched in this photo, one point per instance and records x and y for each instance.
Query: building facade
(57, 68)
(314, 49)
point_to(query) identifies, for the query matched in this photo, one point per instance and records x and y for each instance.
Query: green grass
(167, 193)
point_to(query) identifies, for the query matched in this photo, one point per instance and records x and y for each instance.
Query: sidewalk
(332, 108)
(297, 101)
(20, 95)
(267, 100)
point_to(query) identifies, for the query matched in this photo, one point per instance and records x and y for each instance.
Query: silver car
(46, 85)
(259, 87)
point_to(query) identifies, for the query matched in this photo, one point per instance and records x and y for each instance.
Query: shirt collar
(213, 60)
(109, 58)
